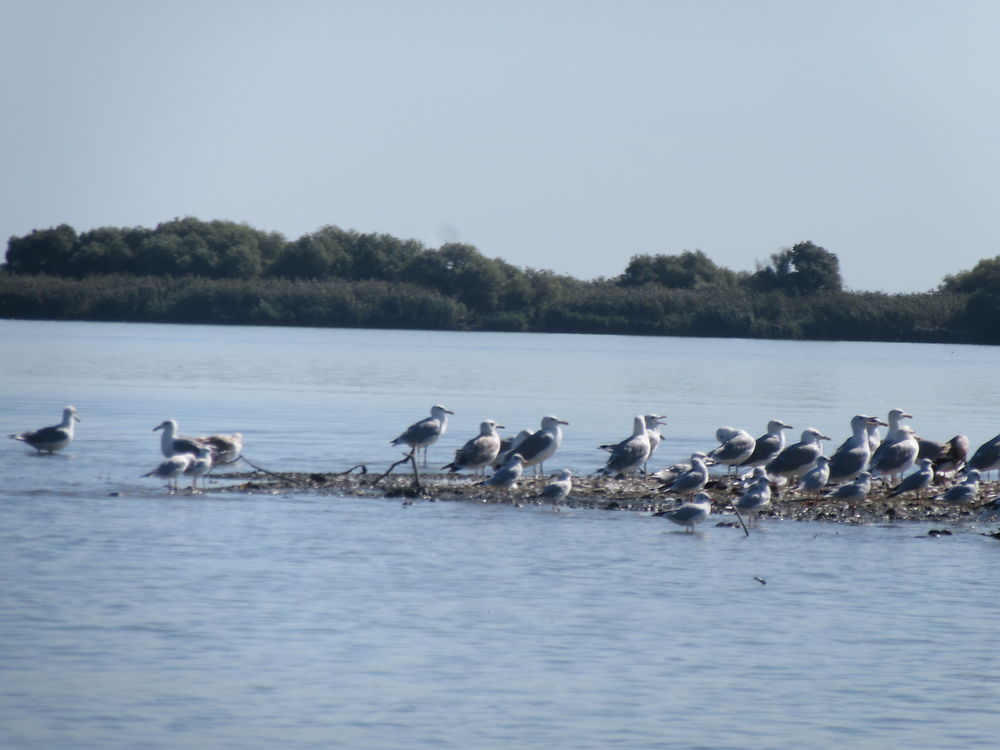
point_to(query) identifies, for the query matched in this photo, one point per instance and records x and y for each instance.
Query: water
(133, 618)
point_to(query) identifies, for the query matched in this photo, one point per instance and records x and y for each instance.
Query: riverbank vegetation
(192, 271)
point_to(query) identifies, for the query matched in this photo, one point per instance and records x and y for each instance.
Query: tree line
(188, 270)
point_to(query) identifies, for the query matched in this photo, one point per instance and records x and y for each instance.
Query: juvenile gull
(426, 432)
(630, 454)
(692, 480)
(227, 447)
(917, 482)
(172, 468)
(171, 443)
(963, 493)
(852, 457)
(853, 492)
(798, 458)
(769, 445)
(736, 447)
(690, 513)
(480, 451)
(542, 444)
(201, 465)
(507, 475)
(558, 490)
(896, 455)
(756, 498)
(54, 438)
(817, 477)
(947, 458)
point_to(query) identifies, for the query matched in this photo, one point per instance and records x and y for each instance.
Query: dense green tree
(688, 270)
(804, 268)
(985, 276)
(42, 251)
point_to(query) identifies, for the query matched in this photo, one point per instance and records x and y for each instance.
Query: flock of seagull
(847, 474)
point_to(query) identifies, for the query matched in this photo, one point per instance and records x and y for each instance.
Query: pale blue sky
(559, 135)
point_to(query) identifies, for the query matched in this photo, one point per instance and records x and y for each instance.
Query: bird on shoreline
(756, 498)
(917, 482)
(853, 455)
(54, 438)
(200, 466)
(172, 468)
(963, 493)
(558, 489)
(694, 479)
(896, 455)
(507, 476)
(798, 458)
(541, 445)
(171, 443)
(768, 445)
(854, 491)
(736, 446)
(426, 432)
(629, 456)
(480, 451)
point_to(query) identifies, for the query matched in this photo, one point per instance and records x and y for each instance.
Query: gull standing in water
(917, 482)
(201, 466)
(736, 447)
(171, 443)
(172, 468)
(757, 497)
(480, 451)
(963, 493)
(558, 490)
(690, 513)
(798, 458)
(507, 475)
(852, 457)
(426, 432)
(631, 454)
(542, 444)
(769, 445)
(54, 438)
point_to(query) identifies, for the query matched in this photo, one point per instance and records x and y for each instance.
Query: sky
(560, 135)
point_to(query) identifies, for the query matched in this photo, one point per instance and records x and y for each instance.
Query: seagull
(507, 475)
(964, 493)
(896, 455)
(426, 432)
(817, 477)
(892, 434)
(694, 479)
(508, 446)
(736, 447)
(986, 458)
(690, 513)
(917, 482)
(853, 492)
(557, 490)
(798, 458)
(948, 457)
(755, 499)
(54, 438)
(769, 445)
(542, 444)
(852, 457)
(631, 454)
(668, 475)
(227, 447)
(172, 468)
(653, 422)
(201, 465)
(171, 443)
(478, 452)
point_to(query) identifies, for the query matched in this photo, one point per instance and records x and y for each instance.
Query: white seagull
(201, 466)
(817, 477)
(690, 513)
(896, 455)
(917, 482)
(507, 475)
(987, 456)
(963, 493)
(542, 444)
(797, 459)
(54, 438)
(694, 479)
(853, 492)
(558, 490)
(171, 443)
(631, 454)
(756, 498)
(736, 447)
(426, 432)
(172, 468)
(769, 445)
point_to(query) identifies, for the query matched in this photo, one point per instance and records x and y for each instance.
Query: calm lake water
(133, 618)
